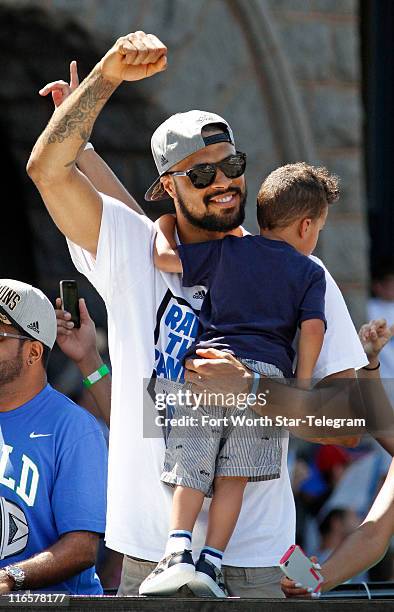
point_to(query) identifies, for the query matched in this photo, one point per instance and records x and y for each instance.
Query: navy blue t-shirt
(259, 291)
(53, 478)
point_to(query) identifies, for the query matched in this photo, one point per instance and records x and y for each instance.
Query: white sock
(178, 540)
(213, 555)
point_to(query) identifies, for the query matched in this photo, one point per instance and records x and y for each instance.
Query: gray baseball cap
(178, 137)
(29, 309)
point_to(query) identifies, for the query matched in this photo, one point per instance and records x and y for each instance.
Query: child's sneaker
(170, 574)
(208, 580)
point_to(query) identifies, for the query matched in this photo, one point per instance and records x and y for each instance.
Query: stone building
(285, 73)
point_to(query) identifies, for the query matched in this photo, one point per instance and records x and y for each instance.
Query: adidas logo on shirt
(34, 326)
(199, 295)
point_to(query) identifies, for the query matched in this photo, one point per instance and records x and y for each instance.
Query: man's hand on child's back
(218, 372)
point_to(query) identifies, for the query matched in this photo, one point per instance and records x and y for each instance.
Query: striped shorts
(222, 442)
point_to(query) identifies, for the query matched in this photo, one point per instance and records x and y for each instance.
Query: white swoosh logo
(34, 435)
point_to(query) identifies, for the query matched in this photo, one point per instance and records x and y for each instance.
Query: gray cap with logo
(178, 137)
(26, 307)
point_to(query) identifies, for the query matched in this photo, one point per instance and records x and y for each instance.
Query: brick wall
(285, 73)
(321, 41)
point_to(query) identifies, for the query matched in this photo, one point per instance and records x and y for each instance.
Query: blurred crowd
(334, 487)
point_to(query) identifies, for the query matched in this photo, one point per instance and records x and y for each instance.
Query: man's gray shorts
(222, 442)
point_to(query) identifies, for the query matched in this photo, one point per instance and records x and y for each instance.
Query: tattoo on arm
(81, 118)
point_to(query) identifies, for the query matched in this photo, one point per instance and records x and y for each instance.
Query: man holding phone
(152, 318)
(53, 460)
(70, 300)
(360, 551)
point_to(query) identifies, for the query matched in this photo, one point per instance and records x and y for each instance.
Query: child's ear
(168, 185)
(304, 227)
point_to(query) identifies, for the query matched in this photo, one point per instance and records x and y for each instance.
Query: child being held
(261, 290)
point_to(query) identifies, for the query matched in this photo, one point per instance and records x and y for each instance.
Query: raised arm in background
(72, 201)
(374, 336)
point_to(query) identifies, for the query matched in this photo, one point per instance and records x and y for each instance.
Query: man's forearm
(132, 57)
(365, 546)
(69, 128)
(72, 201)
(73, 553)
(100, 390)
(360, 551)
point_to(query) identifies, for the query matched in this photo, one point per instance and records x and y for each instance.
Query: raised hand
(133, 57)
(60, 90)
(374, 336)
(77, 344)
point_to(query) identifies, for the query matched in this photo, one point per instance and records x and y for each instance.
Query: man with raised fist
(153, 319)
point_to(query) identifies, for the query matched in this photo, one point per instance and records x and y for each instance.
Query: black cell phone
(69, 297)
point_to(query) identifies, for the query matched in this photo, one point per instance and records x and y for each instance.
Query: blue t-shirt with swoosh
(259, 291)
(53, 469)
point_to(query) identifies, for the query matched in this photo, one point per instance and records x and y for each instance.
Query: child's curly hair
(295, 191)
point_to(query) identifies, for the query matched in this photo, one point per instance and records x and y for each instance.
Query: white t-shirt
(151, 322)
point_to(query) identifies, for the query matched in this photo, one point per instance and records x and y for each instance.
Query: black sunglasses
(203, 175)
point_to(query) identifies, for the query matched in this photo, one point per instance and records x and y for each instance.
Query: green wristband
(96, 376)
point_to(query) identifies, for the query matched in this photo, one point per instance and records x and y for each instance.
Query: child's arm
(309, 347)
(165, 255)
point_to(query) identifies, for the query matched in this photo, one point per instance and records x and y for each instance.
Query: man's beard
(213, 222)
(10, 370)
